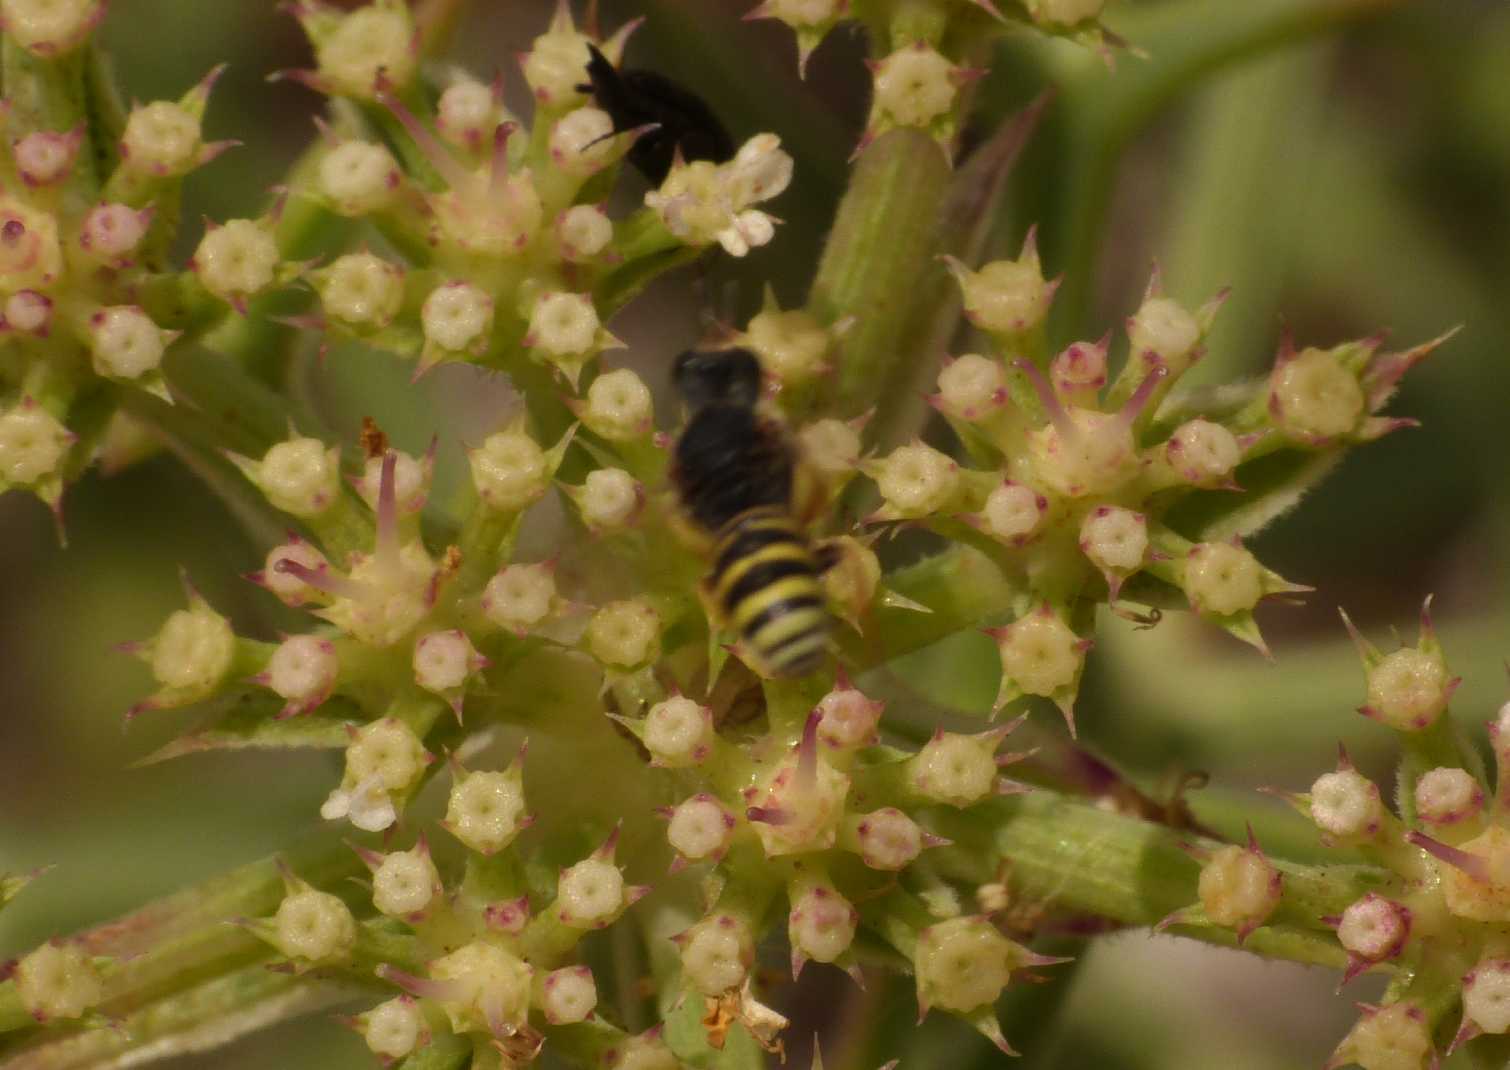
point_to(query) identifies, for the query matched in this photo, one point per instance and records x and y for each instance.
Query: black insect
(736, 474)
(643, 98)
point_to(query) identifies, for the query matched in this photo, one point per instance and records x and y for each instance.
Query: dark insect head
(719, 377)
(682, 121)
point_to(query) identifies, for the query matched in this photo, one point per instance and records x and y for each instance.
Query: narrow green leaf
(250, 721)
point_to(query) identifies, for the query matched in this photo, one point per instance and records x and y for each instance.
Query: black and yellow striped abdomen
(765, 582)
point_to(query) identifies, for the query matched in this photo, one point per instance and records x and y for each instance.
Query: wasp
(736, 475)
(682, 122)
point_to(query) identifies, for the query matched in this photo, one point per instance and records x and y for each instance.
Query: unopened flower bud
(45, 156)
(1239, 888)
(237, 259)
(393, 1028)
(50, 27)
(405, 883)
(1163, 329)
(520, 596)
(618, 406)
(509, 470)
(467, 113)
(300, 476)
(161, 139)
(125, 343)
(1005, 296)
(972, 386)
(1202, 453)
(110, 233)
(962, 964)
(1114, 539)
(955, 769)
(1040, 653)
(700, 828)
(717, 953)
(1014, 512)
(486, 810)
(384, 759)
(831, 446)
(849, 719)
(30, 256)
(678, 732)
(286, 584)
(887, 839)
(194, 651)
(1313, 396)
(625, 634)
(1060, 13)
(1222, 579)
(791, 345)
(28, 311)
(491, 988)
(377, 39)
(590, 894)
(33, 444)
(568, 995)
(57, 981)
(556, 65)
(1374, 928)
(1396, 1037)
(1486, 996)
(314, 926)
(851, 582)
(916, 480)
(359, 177)
(361, 290)
(610, 500)
(1346, 804)
(644, 1052)
(582, 232)
(303, 670)
(458, 318)
(915, 85)
(565, 331)
(582, 142)
(1408, 690)
(821, 925)
(1448, 796)
(443, 660)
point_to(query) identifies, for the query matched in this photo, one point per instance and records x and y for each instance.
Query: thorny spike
(1050, 400)
(437, 155)
(1475, 866)
(807, 753)
(321, 579)
(499, 173)
(1135, 404)
(387, 538)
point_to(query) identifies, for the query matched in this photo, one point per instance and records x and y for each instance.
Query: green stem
(879, 257)
(1080, 859)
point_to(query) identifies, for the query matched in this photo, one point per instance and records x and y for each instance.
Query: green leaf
(250, 721)
(10, 887)
(1272, 486)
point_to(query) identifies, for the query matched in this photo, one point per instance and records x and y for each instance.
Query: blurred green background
(1346, 181)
